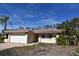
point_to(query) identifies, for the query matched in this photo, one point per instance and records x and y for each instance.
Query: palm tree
(4, 21)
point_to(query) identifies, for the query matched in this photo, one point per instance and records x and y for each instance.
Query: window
(50, 36)
(46, 35)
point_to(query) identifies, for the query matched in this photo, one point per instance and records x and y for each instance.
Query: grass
(77, 50)
(44, 44)
(21, 50)
(1, 41)
(34, 50)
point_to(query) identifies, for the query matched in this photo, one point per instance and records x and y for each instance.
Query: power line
(15, 15)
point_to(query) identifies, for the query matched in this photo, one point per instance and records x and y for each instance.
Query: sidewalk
(10, 45)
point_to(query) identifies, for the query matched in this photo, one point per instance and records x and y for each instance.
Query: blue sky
(31, 15)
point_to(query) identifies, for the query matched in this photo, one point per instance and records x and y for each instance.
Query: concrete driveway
(10, 45)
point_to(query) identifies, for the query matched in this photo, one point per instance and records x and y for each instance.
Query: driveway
(10, 45)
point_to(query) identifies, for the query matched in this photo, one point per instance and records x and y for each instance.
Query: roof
(35, 31)
(49, 31)
(16, 31)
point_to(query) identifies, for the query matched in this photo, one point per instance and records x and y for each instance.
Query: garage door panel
(19, 39)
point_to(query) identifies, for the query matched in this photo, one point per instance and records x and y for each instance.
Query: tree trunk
(5, 25)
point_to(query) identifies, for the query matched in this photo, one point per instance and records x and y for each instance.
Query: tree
(71, 28)
(4, 21)
(21, 27)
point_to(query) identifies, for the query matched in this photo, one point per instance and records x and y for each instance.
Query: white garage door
(18, 39)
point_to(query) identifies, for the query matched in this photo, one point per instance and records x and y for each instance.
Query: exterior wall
(48, 40)
(6, 40)
(31, 38)
(9, 38)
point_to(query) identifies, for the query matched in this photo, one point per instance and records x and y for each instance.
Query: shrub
(77, 50)
(73, 40)
(61, 40)
(2, 39)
